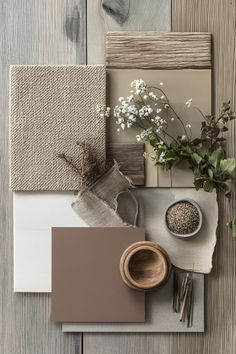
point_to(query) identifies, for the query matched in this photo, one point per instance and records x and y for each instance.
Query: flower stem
(177, 116)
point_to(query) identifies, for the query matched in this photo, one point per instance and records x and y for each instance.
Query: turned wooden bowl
(145, 266)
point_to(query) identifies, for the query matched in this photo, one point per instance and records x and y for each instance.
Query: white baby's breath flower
(138, 138)
(145, 111)
(139, 86)
(145, 97)
(158, 110)
(162, 97)
(120, 99)
(172, 119)
(118, 130)
(130, 98)
(162, 157)
(183, 138)
(188, 125)
(161, 83)
(122, 126)
(131, 118)
(188, 103)
(152, 95)
(120, 120)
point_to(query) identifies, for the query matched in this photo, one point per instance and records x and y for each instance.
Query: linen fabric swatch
(51, 109)
(97, 205)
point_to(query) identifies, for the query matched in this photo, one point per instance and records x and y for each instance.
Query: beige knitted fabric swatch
(52, 108)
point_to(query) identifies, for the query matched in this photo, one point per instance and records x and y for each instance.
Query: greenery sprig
(149, 110)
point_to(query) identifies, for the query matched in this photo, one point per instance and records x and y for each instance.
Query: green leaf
(153, 142)
(216, 157)
(227, 185)
(221, 139)
(197, 184)
(208, 185)
(171, 154)
(232, 226)
(228, 165)
(224, 129)
(210, 173)
(197, 158)
(226, 106)
(197, 141)
(232, 115)
(216, 131)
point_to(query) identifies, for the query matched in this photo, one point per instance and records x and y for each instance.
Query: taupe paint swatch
(179, 85)
(86, 282)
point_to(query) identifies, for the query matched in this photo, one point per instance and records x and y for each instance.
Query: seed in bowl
(182, 218)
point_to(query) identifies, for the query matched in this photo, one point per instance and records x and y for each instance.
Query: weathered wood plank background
(31, 32)
(219, 18)
(54, 32)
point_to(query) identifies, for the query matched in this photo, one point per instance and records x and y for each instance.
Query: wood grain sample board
(130, 159)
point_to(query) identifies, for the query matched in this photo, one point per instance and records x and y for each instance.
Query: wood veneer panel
(155, 50)
(131, 160)
(219, 18)
(35, 32)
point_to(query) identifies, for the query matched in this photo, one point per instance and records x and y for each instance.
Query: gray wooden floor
(72, 32)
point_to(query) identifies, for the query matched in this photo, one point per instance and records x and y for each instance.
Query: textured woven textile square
(51, 109)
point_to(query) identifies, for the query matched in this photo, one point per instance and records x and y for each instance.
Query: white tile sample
(34, 215)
